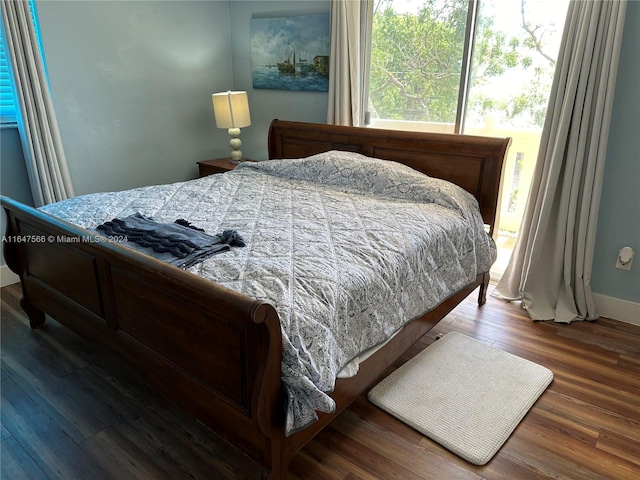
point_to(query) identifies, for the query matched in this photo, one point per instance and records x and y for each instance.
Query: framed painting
(291, 53)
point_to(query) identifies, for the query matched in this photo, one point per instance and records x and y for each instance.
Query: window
(7, 105)
(417, 61)
(7, 101)
(440, 65)
(482, 67)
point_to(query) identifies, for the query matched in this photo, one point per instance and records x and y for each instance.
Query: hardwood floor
(69, 412)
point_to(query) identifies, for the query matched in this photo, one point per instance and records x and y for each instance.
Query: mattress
(347, 248)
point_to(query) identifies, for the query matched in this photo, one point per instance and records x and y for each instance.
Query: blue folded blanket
(180, 244)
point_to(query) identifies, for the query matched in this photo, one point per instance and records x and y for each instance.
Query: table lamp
(231, 110)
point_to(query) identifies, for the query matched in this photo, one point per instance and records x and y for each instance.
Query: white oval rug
(463, 394)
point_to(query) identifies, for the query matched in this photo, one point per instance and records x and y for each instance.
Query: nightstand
(217, 165)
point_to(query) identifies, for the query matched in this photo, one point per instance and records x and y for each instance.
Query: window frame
(467, 62)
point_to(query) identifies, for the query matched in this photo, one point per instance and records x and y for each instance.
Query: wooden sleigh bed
(156, 315)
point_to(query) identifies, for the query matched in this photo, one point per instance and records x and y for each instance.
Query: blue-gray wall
(131, 83)
(619, 215)
(13, 173)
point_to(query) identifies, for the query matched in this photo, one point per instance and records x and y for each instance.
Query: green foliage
(416, 65)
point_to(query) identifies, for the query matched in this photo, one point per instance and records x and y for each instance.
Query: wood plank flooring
(69, 412)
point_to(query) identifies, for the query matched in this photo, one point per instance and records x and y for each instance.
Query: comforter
(347, 248)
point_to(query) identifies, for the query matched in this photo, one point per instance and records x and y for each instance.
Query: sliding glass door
(481, 67)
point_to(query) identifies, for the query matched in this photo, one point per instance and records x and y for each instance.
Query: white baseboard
(617, 309)
(7, 277)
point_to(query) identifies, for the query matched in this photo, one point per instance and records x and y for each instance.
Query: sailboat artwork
(288, 66)
(291, 53)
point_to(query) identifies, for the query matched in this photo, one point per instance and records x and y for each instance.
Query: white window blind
(7, 100)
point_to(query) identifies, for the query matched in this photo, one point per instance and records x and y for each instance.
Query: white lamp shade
(231, 109)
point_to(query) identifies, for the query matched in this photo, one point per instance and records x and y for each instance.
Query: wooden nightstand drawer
(217, 165)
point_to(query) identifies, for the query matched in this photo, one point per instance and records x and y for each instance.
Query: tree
(416, 64)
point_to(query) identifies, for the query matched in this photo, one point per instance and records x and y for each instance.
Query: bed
(213, 350)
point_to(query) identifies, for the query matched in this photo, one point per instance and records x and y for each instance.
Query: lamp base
(236, 156)
(236, 143)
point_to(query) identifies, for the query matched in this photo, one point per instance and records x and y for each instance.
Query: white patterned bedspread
(347, 248)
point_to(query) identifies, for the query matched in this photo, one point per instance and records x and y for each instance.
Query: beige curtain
(550, 268)
(41, 143)
(350, 57)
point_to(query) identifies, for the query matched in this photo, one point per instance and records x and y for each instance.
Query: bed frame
(213, 351)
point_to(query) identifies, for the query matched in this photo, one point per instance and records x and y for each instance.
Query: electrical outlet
(625, 258)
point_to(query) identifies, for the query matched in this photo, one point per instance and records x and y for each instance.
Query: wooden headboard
(472, 162)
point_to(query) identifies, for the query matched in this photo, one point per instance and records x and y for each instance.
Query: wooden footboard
(213, 351)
